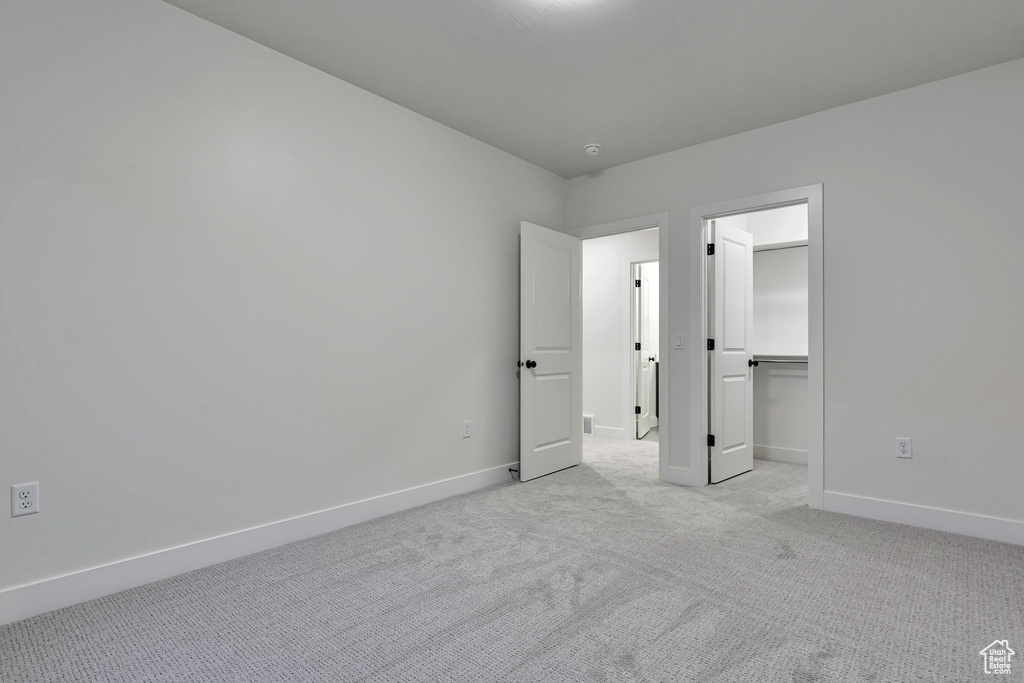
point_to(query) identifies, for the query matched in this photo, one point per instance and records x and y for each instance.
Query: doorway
(760, 390)
(553, 423)
(620, 335)
(757, 321)
(683, 393)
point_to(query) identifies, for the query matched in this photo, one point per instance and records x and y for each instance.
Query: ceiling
(542, 78)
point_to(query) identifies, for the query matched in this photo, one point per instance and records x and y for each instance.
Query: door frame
(660, 221)
(634, 316)
(812, 195)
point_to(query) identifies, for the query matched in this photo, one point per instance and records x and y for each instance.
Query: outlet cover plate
(25, 499)
(904, 447)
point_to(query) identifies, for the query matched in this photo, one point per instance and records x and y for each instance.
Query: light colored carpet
(598, 573)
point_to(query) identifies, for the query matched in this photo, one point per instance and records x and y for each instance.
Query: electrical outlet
(904, 447)
(465, 429)
(25, 499)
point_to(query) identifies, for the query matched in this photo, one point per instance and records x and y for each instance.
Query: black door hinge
(711, 440)
(711, 344)
(636, 410)
(711, 248)
(637, 283)
(636, 347)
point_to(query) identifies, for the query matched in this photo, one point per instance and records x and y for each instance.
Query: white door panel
(550, 379)
(731, 321)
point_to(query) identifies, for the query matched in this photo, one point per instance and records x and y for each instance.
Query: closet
(780, 385)
(780, 333)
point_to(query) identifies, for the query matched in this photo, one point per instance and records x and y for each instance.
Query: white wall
(607, 384)
(780, 302)
(786, 225)
(195, 333)
(780, 413)
(921, 248)
(780, 329)
(739, 222)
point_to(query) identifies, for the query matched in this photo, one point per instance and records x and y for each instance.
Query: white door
(731, 322)
(551, 352)
(644, 354)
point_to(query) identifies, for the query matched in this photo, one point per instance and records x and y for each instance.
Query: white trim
(667, 473)
(21, 602)
(816, 346)
(792, 456)
(654, 220)
(938, 519)
(611, 433)
(812, 195)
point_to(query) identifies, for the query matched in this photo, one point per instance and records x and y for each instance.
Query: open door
(551, 352)
(644, 353)
(731, 322)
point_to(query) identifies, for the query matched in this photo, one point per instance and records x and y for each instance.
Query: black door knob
(531, 363)
(519, 364)
(751, 363)
(651, 359)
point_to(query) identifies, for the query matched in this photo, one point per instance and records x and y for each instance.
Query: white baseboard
(21, 602)
(939, 519)
(611, 432)
(793, 456)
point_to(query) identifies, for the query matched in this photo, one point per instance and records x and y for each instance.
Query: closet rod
(787, 362)
(758, 250)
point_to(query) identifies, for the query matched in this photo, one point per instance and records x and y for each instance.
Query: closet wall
(780, 331)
